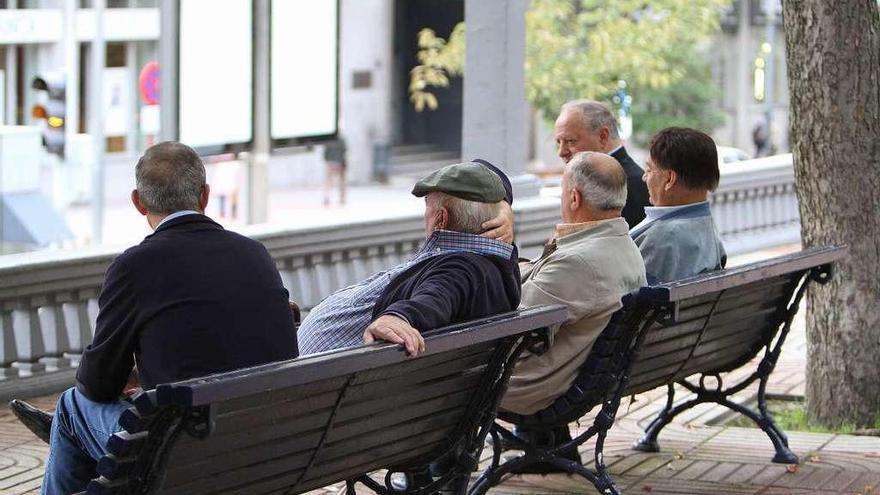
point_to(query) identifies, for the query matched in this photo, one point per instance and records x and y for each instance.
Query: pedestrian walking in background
(334, 156)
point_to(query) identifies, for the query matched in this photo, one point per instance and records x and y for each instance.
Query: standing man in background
(334, 156)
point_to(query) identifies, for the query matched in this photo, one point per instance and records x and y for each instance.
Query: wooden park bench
(704, 325)
(297, 425)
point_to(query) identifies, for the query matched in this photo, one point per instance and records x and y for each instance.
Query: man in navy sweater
(456, 276)
(190, 300)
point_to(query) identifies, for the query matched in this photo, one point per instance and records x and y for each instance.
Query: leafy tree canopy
(582, 48)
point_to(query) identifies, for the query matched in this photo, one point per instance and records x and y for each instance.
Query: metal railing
(755, 205)
(48, 302)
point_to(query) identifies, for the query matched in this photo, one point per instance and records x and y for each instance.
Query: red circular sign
(149, 83)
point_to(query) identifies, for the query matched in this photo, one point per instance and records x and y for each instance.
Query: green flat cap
(469, 181)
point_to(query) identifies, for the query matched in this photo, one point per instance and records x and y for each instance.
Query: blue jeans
(80, 430)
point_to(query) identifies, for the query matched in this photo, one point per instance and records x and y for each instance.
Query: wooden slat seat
(296, 425)
(703, 325)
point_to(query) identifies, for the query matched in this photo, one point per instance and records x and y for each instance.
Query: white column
(256, 190)
(743, 84)
(495, 120)
(366, 45)
(168, 45)
(131, 64)
(96, 120)
(71, 71)
(11, 77)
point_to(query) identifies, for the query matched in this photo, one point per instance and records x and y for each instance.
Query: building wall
(365, 47)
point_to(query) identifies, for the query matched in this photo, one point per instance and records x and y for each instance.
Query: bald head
(600, 186)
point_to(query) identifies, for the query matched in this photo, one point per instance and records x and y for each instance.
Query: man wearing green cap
(456, 276)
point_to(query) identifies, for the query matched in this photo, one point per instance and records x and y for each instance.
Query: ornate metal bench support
(720, 395)
(600, 478)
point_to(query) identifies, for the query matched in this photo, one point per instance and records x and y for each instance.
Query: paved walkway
(696, 457)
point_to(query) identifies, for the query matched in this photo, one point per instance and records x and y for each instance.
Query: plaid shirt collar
(443, 241)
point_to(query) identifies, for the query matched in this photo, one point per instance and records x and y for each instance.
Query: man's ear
(204, 193)
(442, 218)
(577, 199)
(604, 136)
(136, 201)
(671, 181)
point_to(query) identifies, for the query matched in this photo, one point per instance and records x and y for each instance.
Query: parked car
(726, 154)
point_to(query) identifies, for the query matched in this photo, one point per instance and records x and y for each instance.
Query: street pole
(96, 121)
(168, 46)
(11, 77)
(71, 80)
(256, 190)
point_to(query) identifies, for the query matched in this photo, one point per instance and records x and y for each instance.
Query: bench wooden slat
(306, 428)
(436, 361)
(287, 469)
(241, 383)
(741, 275)
(276, 424)
(261, 399)
(262, 447)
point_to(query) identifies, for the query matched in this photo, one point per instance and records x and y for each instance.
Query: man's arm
(500, 227)
(435, 302)
(391, 328)
(107, 362)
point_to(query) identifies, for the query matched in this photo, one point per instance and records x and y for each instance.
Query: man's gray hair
(595, 115)
(169, 178)
(603, 187)
(463, 215)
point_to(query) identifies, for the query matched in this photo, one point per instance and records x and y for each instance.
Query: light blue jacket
(679, 244)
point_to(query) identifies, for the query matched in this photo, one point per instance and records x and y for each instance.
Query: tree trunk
(833, 52)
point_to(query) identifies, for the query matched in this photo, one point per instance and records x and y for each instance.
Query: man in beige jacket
(590, 263)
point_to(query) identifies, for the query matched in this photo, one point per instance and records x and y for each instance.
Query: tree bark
(833, 52)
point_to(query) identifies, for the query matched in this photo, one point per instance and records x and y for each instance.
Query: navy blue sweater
(190, 300)
(452, 288)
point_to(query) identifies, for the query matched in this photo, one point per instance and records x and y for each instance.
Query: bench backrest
(709, 323)
(719, 321)
(298, 425)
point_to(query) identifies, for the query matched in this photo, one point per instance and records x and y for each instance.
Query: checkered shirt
(340, 320)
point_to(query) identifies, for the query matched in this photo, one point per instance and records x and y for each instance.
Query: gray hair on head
(595, 115)
(600, 179)
(170, 177)
(463, 215)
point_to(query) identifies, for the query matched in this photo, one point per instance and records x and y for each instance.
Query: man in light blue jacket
(678, 237)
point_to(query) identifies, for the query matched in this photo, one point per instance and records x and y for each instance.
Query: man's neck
(685, 197)
(156, 219)
(612, 147)
(585, 215)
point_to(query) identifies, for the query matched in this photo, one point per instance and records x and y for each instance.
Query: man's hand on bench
(391, 328)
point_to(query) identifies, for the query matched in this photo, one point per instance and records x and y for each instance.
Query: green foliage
(581, 48)
(691, 101)
(438, 60)
(792, 416)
